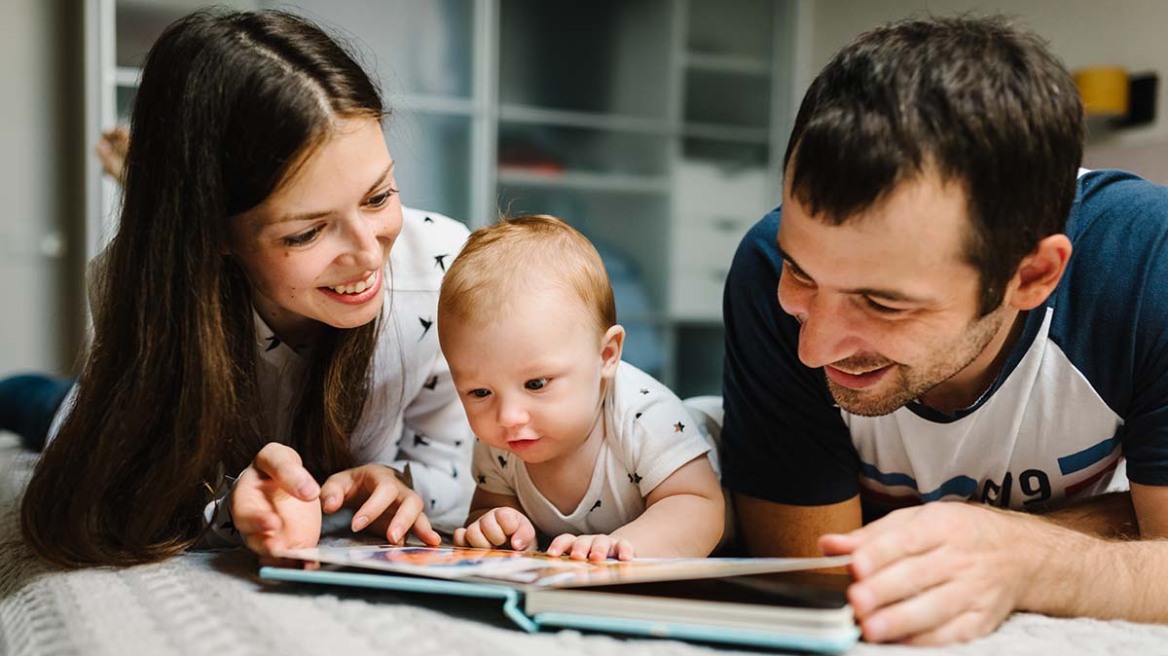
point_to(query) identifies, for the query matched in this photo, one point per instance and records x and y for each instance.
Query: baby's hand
(498, 527)
(591, 547)
(275, 504)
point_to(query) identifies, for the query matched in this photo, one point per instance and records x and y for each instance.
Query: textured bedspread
(213, 604)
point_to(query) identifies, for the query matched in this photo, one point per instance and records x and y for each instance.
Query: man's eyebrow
(310, 216)
(884, 294)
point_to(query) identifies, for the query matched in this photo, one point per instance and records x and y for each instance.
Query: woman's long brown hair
(167, 401)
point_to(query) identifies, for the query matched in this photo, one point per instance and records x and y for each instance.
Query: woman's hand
(275, 504)
(498, 527)
(385, 504)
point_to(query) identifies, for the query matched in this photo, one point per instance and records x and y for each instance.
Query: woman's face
(315, 250)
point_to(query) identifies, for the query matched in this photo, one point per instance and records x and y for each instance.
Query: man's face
(887, 302)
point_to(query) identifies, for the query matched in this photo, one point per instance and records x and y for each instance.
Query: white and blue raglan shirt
(1082, 397)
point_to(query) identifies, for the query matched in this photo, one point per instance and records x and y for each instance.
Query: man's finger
(920, 614)
(899, 580)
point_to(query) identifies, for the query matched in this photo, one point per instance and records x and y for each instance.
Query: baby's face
(531, 380)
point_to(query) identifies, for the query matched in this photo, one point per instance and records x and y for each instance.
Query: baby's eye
(536, 384)
(480, 393)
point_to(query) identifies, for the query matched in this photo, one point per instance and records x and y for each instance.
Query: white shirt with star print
(649, 434)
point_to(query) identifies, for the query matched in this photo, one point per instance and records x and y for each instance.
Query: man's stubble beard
(911, 383)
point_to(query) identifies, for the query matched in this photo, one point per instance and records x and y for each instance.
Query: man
(934, 339)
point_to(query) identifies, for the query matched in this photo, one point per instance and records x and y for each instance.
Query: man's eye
(795, 272)
(880, 307)
(480, 393)
(302, 238)
(536, 384)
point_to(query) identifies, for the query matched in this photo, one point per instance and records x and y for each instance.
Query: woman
(250, 318)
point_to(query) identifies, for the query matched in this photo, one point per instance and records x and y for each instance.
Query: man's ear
(611, 346)
(1040, 272)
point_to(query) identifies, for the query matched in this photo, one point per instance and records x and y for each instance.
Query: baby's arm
(496, 520)
(683, 517)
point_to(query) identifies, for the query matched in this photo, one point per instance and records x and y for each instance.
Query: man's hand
(938, 573)
(591, 547)
(275, 503)
(498, 527)
(385, 504)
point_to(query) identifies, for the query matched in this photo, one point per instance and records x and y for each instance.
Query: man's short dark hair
(986, 106)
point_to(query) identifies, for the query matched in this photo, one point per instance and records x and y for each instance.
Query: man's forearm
(1108, 516)
(1079, 575)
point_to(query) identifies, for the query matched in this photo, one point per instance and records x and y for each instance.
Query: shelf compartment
(604, 56)
(583, 158)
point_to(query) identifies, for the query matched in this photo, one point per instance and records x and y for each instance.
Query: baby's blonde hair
(503, 262)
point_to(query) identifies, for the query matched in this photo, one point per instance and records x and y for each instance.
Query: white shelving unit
(655, 126)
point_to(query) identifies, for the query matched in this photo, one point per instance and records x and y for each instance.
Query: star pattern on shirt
(273, 342)
(421, 440)
(426, 323)
(453, 471)
(482, 479)
(638, 416)
(634, 478)
(678, 427)
(440, 261)
(644, 391)
(433, 382)
(594, 506)
(427, 219)
(502, 461)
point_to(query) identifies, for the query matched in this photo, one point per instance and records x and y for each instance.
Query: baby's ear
(610, 350)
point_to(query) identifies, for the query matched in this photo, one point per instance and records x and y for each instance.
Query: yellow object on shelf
(1104, 90)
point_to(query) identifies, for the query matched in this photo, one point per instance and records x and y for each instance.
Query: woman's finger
(282, 464)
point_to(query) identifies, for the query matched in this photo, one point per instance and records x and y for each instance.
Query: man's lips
(857, 381)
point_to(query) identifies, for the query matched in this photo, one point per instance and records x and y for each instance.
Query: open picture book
(767, 602)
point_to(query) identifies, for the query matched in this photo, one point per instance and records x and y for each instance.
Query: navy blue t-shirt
(1083, 395)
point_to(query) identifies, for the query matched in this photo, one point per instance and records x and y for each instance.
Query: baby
(572, 442)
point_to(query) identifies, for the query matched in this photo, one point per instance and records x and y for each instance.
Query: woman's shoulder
(428, 242)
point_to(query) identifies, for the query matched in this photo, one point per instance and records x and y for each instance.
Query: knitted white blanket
(213, 604)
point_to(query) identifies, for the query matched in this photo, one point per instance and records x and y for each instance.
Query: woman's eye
(302, 238)
(480, 393)
(536, 384)
(381, 199)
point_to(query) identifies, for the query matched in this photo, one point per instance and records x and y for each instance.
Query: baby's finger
(561, 544)
(459, 537)
(475, 537)
(582, 547)
(600, 548)
(489, 523)
(624, 550)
